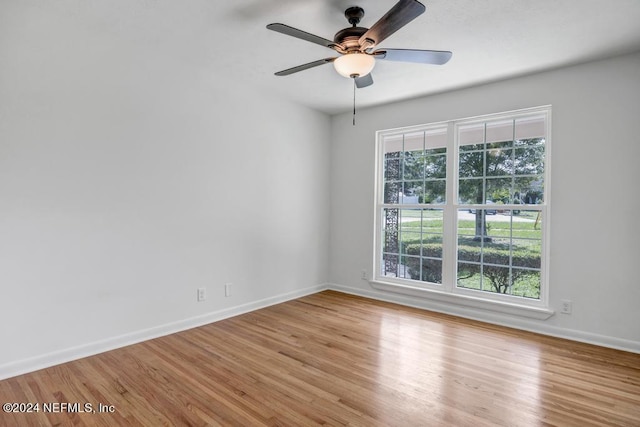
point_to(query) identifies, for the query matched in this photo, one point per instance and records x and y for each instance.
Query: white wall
(131, 177)
(595, 200)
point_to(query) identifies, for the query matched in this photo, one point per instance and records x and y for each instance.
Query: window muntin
(502, 161)
(415, 167)
(413, 241)
(414, 184)
(494, 244)
(506, 257)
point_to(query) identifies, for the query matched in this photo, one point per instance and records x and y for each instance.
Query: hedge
(496, 259)
(431, 268)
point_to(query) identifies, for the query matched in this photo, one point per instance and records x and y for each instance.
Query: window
(462, 207)
(415, 178)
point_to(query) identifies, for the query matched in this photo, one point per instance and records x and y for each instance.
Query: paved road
(466, 215)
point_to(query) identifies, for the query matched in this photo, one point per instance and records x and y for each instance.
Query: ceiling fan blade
(397, 17)
(294, 32)
(436, 57)
(364, 81)
(304, 66)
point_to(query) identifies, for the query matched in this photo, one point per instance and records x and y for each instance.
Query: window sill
(539, 313)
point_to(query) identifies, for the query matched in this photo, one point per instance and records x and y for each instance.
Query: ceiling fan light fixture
(354, 64)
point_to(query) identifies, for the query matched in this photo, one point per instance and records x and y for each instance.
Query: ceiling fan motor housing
(349, 37)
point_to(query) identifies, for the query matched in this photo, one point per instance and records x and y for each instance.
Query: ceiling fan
(355, 44)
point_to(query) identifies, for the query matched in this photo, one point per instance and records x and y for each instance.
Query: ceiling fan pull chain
(354, 101)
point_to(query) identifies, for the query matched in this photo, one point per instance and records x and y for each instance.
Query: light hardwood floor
(336, 359)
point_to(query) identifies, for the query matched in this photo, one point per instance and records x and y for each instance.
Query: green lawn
(520, 230)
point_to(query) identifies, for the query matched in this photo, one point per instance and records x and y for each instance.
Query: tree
(505, 169)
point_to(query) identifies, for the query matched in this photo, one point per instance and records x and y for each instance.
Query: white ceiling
(490, 40)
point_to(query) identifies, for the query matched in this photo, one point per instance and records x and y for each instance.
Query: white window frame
(448, 291)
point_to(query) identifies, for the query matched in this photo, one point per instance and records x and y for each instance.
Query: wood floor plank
(334, 359)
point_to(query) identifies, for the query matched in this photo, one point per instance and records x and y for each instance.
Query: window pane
(468, 250)
(391, 242)
(529, 160)
(469, 276)
(434, 192)
(471, 191)
(496, 279)
(411, 192)
(413, 142)
(405, 269)
(413, 165)
(393, 167)
(435, 140)
(392, 144)
(432, 249)
(499, 162)
(530, 127)
(526, 253)
(499, 190)
(413, 244)
(499, 131)
(502, 145)
(471, 164)
(528, 142)
(507, 170)
(390, 265)
(431, 270)
(435, 167)
(470, 136)
(498, 250)
(470, 222)
(526, 283)
(392, 192)
(432, 224)
(436, 151)
(529, 190)
(410, 231)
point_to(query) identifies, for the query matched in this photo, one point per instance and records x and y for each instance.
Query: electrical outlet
(202, 294)
(566, 307)
(364, 275)
(227, 289)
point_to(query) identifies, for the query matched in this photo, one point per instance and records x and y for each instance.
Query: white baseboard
(74, 353)
(488, 317)
(55, 358)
